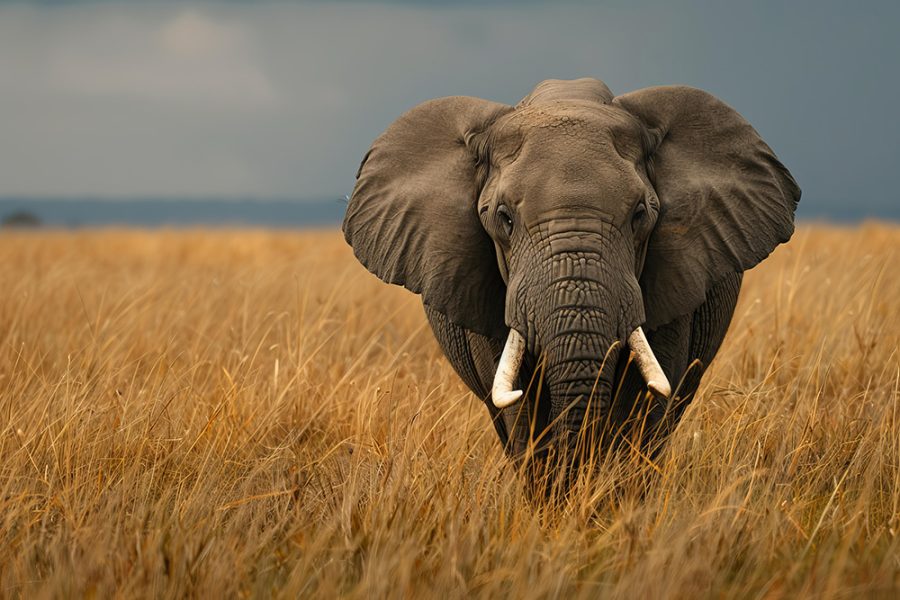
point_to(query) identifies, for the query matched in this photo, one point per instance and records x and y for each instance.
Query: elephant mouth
(503, 395)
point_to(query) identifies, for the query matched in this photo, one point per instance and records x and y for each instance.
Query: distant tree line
(21, 218)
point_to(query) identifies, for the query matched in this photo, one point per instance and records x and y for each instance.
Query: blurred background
(184, 113)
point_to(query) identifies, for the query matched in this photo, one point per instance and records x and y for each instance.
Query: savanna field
(252, 414)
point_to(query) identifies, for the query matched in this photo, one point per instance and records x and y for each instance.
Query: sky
(282, 99)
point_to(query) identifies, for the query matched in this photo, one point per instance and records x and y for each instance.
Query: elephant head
(569, 222)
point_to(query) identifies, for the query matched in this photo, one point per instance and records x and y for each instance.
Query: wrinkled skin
(573, 218)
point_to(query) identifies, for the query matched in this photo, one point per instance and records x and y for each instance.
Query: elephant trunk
(594, 305)
(581, 364)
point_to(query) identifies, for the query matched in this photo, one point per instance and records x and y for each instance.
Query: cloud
(189, 59)
(282, 99)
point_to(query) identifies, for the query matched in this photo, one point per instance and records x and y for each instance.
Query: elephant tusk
(657, 382)
(502, 393)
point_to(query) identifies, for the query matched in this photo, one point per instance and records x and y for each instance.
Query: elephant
(576, 253)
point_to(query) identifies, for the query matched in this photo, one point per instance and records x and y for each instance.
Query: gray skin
(574, 218)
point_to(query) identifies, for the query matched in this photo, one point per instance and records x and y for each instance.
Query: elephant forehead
(569, 117)
(567, 131)
(555, 117)
(573, 168)
(565, 124)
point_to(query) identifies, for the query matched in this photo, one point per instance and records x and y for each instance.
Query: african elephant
(582, 247)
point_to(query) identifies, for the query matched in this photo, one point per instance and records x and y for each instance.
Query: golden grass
(243, 413)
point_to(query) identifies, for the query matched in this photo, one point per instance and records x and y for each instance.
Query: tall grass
(251, 413)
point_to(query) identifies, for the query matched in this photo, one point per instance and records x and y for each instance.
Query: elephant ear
(412, 218)
(725, 200)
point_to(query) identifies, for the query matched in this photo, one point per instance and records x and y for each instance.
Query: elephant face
(569, 221)
(568, 203)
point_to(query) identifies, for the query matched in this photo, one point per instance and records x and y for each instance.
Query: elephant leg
(693, 337)
(708, 326)
(632, 409)
(474, 357)
(525, 420)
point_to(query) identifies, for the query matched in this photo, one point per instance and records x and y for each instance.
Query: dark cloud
(274, 99)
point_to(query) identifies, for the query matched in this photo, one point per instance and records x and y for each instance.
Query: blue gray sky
(281, 100)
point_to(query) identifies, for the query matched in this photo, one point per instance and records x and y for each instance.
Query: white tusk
(657, 382)
(502, 393)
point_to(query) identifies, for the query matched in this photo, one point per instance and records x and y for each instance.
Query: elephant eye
(639, 216)
(505, 218)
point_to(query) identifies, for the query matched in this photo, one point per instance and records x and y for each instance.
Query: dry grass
(250, 413)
